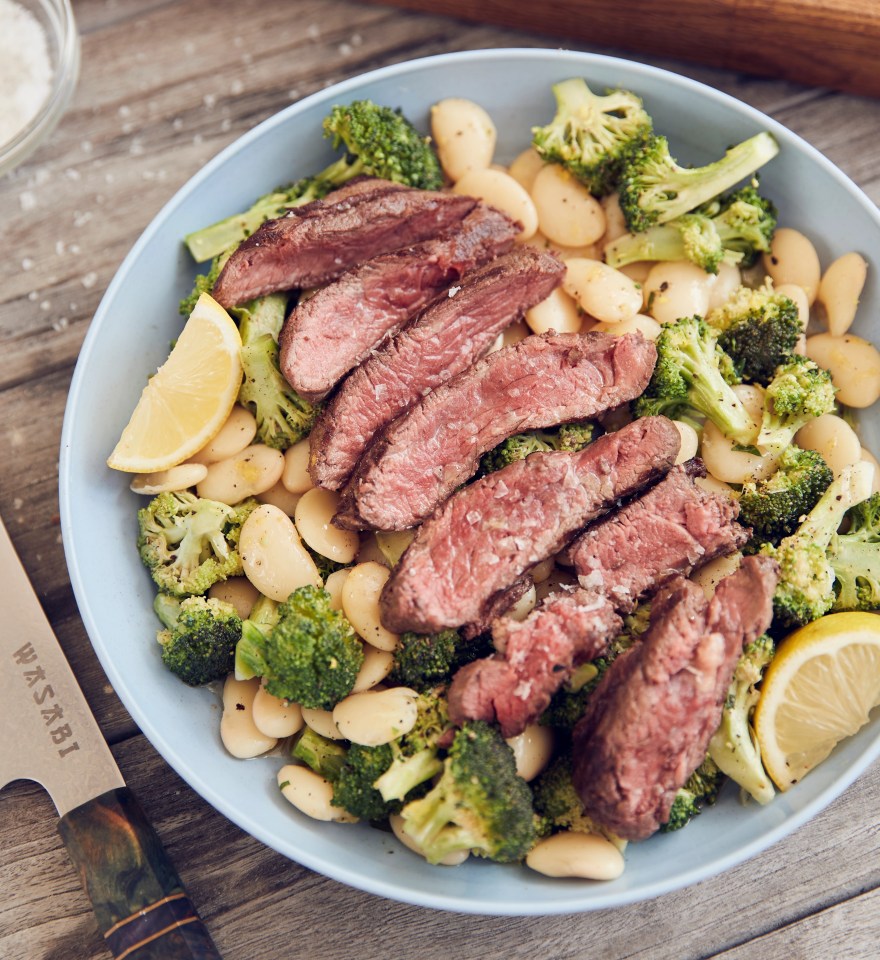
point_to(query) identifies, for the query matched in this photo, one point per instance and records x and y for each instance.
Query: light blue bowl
(129, 338)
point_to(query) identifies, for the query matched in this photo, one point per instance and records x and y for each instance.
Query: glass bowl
(62, 42)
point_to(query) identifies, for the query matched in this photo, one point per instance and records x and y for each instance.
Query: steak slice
(648, 723)
(449, 335)
(497, 605)
(319, 241)
(331, 332)
(673, 528)
(535, 656)
(491, 532)
(422, 457)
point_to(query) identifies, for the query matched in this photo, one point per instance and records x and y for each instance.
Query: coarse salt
(25, 69)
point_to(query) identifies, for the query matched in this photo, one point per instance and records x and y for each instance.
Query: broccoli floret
(378, 142)
(189, 543)
(353, 788)
(479, 803)
(198, 644)
(731, 230)
(321, 754)
(773, 508)
(655, 189)
(799, 392)
(758, 329)
(701, 788)
(590, 134)
(855, 557)
(567, 436)
(283, 416)
(424, 661)
(733, 746)
(311, 656)
(806, 585)
(692, 374)
(325, 565)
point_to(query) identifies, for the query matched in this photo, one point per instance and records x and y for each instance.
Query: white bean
(532, 750)
(615, 222)
(376, 667)
(793, 259)
(311, 794)
(375, 717)
(834, 438)
(727, 281)
(570, 854)
(524, 606)
(501, 191)
(453, 859)
(646, 326)
(854, 365)
(334, 584)
(360, 603)
(279, 496)
(525, 167)
(238, 731)
(238, 591)
(369, 551)
(321, 721)
(251, 471)
(714, 485)
(638, 272)
(591, 251)
(839, 291)
(542, 570)
(567, 212)
(181, 477)
(677, 289)
(273, 558)
(557, 312)
(798, 297)
(727, 463)
(295, 475)
(236, 434)
(605, 293)
(690, 441)
(276, 717)
(869, 457)
(464, 135)
(712, 573)
(314, 512)
(558, 581)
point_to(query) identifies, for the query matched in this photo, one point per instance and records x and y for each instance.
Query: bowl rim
(566, 903)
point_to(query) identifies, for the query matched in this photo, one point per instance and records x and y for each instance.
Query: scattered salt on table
(25, 69)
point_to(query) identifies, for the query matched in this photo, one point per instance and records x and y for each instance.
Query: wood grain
(165, 85)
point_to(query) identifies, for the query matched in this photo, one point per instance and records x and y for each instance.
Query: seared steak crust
(648, 724)
(491, 532)
(450, 334)
(422, 457)
(319, 241)
(671, 529)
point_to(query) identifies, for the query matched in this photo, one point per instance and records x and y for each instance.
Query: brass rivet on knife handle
(138, 899)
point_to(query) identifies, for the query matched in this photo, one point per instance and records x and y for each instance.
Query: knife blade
(52, 738)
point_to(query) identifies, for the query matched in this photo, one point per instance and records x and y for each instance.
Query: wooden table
(165, 84)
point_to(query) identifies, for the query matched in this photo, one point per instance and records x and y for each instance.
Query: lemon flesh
(188, 400)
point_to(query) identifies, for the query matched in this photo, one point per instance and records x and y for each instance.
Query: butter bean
(370, 551)
(321, 721)
(464, 135)
(376, 667)
(712, 573)
(869, 457)
(532, 750)
(526, 167)
(727, 463)
(727, 281)
(793, 259)
(251, 471)
(854, 365)
(238, 591)
(690, 441)
(311, 794)
(360, 603)
(273, 558)
(646, 326)
(542, 570)
(279, 496)
(615, 223)
(237, 433)
(314, 512)
(375, 717)
(453, 859)
(570, 854)
(276, 717)
(524, 606)
(239, 733)
(333, 585)
(714, 485)
(567, 212)
(605, 293)
(677, 289)
(839, 291)
(799, 298)
(501, 191)
(557, 312)
(295, 475)
(834, 438)
(181, 477)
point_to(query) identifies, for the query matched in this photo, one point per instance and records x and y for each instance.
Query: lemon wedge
(819, 688)
(188, 400)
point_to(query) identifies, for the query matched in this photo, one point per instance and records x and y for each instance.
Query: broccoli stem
(851, 487)
(406, 773)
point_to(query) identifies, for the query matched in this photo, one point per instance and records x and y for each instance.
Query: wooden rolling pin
(828, 43)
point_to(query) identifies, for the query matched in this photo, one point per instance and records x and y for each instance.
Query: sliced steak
(673, 528)
(648, 724)
(449, 335)
(418, 461)
(331, 332)
(496, 606)
(515, 687)
(319, 241)
(491, 532)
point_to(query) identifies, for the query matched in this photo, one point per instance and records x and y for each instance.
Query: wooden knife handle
(139, 901)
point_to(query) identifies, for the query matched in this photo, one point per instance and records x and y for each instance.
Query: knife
(139, 902)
